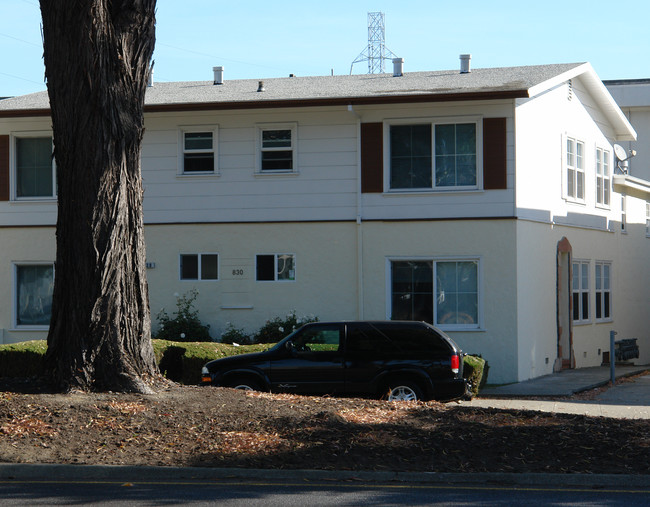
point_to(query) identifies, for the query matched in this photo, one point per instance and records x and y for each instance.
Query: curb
(146, 474)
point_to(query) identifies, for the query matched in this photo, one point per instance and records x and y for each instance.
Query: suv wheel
(404, 391)
(244, 384)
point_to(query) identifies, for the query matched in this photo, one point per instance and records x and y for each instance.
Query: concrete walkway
(626, 400)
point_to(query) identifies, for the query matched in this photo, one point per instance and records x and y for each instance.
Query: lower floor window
(603, 291)
(199, 267)
(275, 267)
(580, 291)
(34, 288)
(443, 292)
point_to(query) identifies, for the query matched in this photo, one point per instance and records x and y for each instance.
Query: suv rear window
(394, 340)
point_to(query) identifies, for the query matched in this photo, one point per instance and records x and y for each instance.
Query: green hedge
(24, 359)
(182, 361)
(178, 361)
(475, 370)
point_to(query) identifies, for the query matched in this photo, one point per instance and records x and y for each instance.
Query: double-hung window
(199, 150)
(434, 156)
(603, 178)
(444, 292)
(34, 284)
(603, 291)
(277, 149)
(575, 169)
(580, 291)
(35, 172)
(275, 267)
(204, 266)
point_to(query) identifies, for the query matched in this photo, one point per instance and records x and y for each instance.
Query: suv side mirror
(289, 345)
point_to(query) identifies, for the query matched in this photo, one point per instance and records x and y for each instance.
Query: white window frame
(199, 267)
(14, 297)
(581, 291)
(259, 148)
(478, 326)
(647, 219)
(276, 257)
(13, 164)
(434, 121)
(603, 178)
(602, 291)
(573, 170)
(623, 214)
(188, 129)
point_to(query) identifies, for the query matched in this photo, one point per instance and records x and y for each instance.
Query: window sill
(198, 175)
(461, 329)
(275, 174)
(426, 191)
(582, 322)
(34, 200)
(28, 329)
(604, 321)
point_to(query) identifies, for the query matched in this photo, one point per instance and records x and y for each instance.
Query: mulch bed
(215, 427)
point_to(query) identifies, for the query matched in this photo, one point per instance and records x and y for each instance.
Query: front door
(314, 364)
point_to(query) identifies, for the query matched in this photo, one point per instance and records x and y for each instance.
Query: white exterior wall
(489, 241)
(21, 245)
(324, 286)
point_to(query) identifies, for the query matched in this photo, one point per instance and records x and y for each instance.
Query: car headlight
(205, 371)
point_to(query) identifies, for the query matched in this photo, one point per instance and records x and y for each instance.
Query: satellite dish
(620, 152)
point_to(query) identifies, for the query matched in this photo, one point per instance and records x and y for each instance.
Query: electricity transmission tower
(376, 52)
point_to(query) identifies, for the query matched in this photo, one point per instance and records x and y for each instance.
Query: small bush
(185, 326)
(475, 370)
(234, 335)
(276, 329)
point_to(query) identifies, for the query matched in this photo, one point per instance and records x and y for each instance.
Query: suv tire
(244, 384)
(404, 391)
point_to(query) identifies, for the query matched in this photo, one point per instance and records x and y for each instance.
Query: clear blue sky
(261, 39)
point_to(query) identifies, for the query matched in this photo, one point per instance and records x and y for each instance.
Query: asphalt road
(301, 493)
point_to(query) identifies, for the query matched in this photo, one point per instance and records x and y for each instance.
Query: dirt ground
(216, 427)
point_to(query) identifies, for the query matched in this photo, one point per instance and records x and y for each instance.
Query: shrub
(185, 326)
(24, 359)
(475, 370)
(235, 335)
(276, 329)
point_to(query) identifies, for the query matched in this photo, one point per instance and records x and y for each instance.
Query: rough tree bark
(97, 58)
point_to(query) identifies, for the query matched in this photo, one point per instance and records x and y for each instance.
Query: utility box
(626, 349)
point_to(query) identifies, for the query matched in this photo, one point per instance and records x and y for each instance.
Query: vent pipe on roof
(150, 77)
(260, 86)
(464, 64)
(218, 75)
(398, 67)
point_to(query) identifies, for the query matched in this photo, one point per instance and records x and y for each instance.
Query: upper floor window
(438, 155)
(35, 173)
(647, 219)
(277, 149)
(199, 266)
(580, 291)
(575, 169)
(34, 284)
(603, 178)
(199, 150)
(275, 267)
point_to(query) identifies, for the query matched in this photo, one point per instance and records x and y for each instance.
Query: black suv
(394, 359)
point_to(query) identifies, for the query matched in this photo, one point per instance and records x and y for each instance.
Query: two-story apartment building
(486, 202)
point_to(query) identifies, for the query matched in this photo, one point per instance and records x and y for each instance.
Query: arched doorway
(565, 357)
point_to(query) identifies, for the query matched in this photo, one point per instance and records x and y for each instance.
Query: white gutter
(636, 187)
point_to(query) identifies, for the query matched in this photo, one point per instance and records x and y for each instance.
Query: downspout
(360, 297)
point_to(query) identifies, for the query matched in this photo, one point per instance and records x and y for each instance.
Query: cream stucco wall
(21, 245)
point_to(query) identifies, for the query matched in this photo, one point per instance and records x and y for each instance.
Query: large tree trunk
(97, 55)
